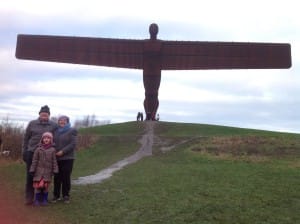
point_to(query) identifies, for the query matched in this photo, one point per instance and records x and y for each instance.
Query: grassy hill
(197, 174)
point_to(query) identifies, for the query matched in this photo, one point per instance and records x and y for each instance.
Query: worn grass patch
(252, 146)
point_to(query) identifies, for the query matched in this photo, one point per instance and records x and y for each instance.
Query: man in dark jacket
(33, 134)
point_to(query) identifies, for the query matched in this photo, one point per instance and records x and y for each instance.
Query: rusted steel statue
(153, 55)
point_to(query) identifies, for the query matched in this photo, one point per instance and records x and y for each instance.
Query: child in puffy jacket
(44, 165)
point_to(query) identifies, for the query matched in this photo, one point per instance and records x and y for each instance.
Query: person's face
(62, 122)
(44, 116)
(46, 140)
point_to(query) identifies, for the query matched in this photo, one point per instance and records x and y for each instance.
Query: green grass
(212, 176)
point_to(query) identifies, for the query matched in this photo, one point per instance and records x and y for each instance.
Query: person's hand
(60, 153)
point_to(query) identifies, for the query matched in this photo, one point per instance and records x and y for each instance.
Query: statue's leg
(151, 103)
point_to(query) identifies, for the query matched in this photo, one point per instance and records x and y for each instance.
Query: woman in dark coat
(65, 139)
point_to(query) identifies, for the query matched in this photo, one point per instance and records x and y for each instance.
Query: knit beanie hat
(49, 135)
(45, 109)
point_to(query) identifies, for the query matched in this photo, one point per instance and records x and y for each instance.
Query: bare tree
(89, 121)
(11, 138)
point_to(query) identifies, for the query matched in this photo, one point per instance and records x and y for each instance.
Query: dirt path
(145, 150)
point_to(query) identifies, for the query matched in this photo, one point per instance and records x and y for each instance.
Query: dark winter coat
(33, 133)
(66, 142)
(44, 163)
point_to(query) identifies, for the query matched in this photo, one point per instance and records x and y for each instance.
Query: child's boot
(45, 198)
(37, 199)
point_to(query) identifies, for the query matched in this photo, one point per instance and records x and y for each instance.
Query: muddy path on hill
(145, 150)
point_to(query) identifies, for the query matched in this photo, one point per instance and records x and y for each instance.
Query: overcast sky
(260, 99)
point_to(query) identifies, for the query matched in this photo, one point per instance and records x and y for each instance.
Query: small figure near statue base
(140, 116)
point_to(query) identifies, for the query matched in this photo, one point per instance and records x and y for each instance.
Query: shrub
(11, 135)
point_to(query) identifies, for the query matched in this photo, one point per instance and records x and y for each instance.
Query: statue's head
(153, 30)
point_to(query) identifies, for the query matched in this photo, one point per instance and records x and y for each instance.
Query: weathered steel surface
(174, 55)
(81, 50)
(225, 55)
(153, 55)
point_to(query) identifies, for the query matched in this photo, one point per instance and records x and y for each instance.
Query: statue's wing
(185, 55)
(122, 53)
(174, 55)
